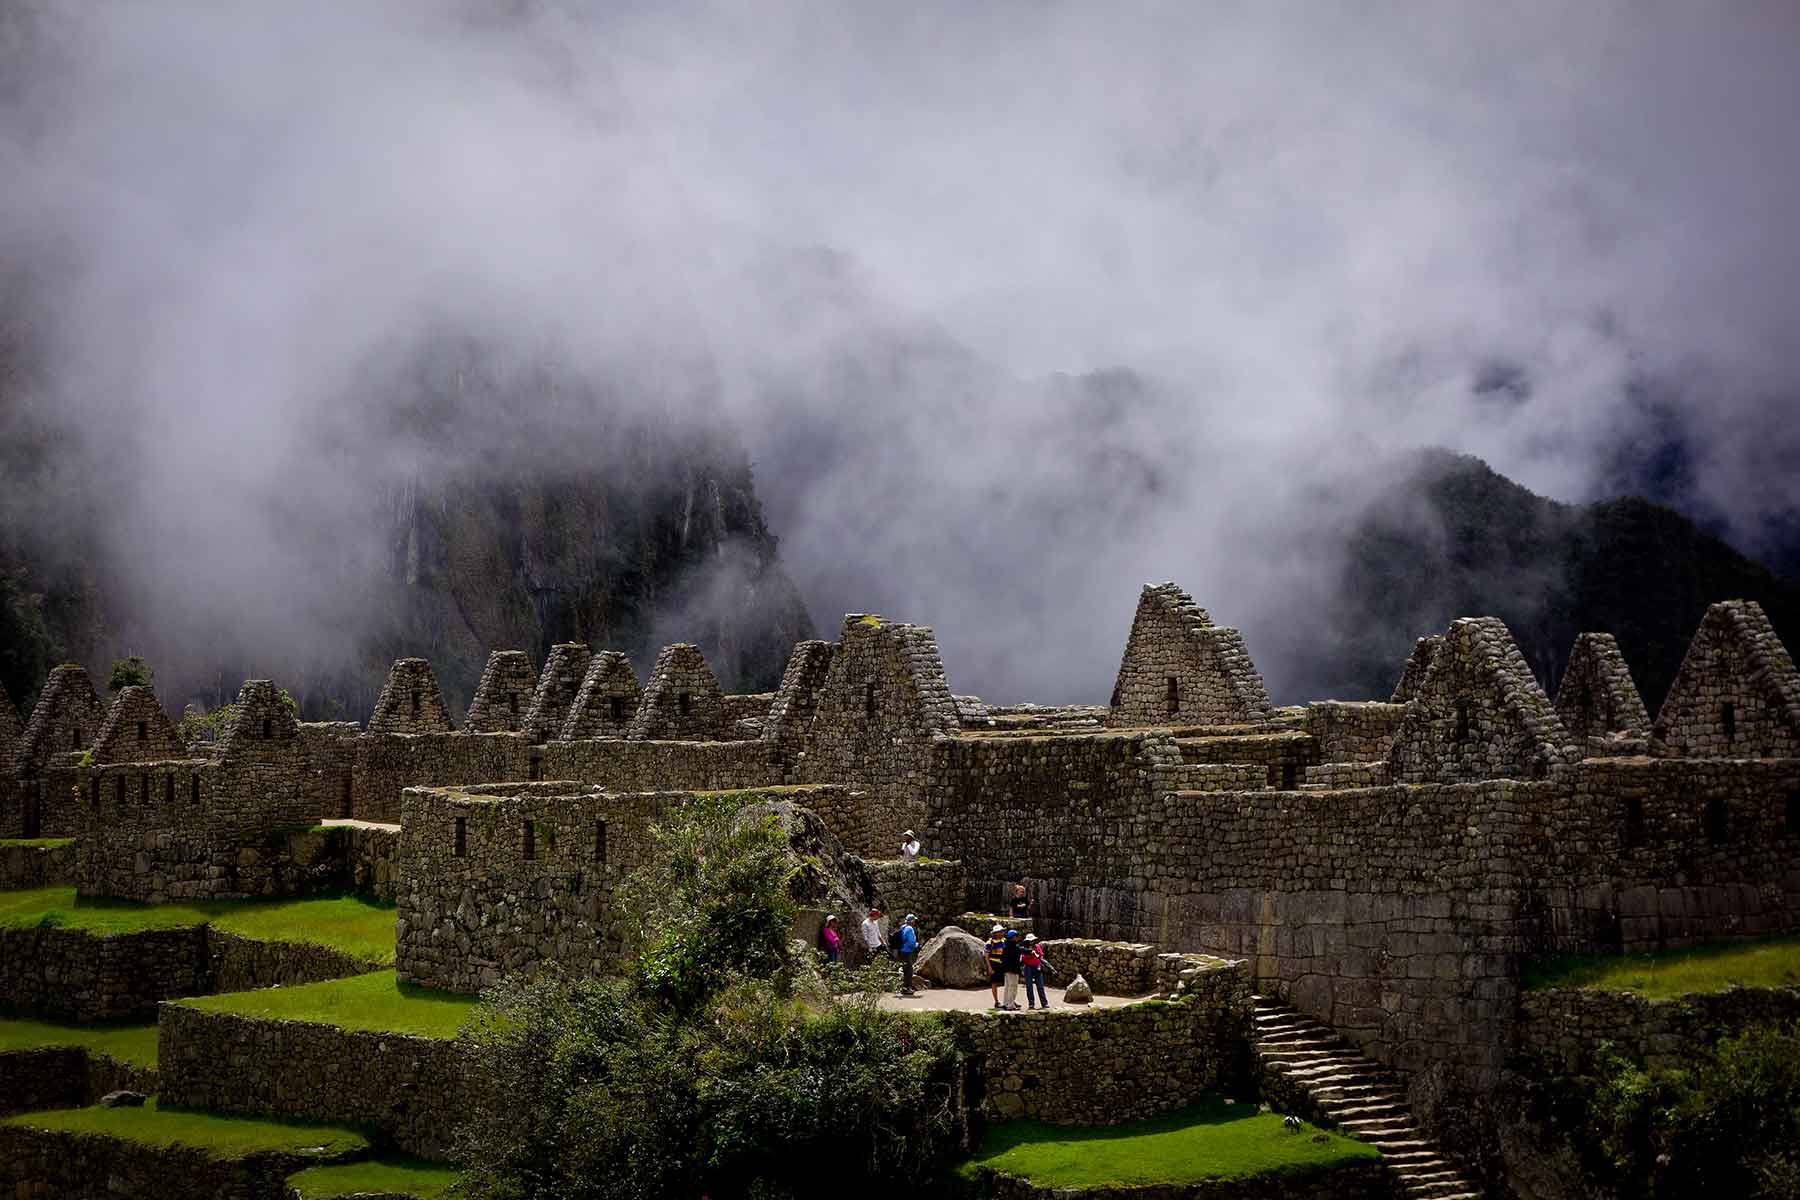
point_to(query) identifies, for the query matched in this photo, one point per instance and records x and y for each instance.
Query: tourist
(1010, 959)
(871, 932)
(909, 847)
(1036, 965)
(907, 941)
(1020, 906)
(996, 951)
(832, 940)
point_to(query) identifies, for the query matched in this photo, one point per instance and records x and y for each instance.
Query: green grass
(1210, 1140)
(355, 926)
(378, 1002)
(37, 843)
(1763, 962)
(396, 1176)
(220, 1137)
(133, 1044)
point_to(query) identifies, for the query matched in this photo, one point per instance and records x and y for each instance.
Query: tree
(130, 671)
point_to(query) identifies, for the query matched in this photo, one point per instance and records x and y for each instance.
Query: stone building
(137, 730)
(557, 688)
(1597, 702)
(682, 702)
(1736, 693)
(1417, 664)
(410, 701)
(1181, 669)
(504, 694)
(607, 703)
(68, 716)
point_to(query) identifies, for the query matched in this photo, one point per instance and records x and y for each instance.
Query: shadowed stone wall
(410, 701)
(504, 694)
(1736, 694)
(1179, 667)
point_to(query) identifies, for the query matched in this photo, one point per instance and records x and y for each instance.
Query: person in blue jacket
(907, 943)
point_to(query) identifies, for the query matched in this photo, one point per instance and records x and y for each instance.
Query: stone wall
(1104, 1066)
(45, 801)
(385, 766)
(1110, 968)
(72, 975)
(137, 730)
(682, 701)
(1596, 698)
(331, 766)
(557, 688)
(1353, 730)
(1736, 694)
(65, 1077)
(1565, 1026)
(607, 702)
(1180, 668)
(1284, 754)
(1339, 776)
(796, 701)
(45, 1163)
(67, 717)
(29, 866)
(1478, 714)
(504, 694)
(933, 891)
(1417, 664)
(624, 766)
(410, 701)
(414, 1090)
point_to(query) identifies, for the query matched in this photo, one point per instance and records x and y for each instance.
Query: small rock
(1078, 991)
(123, 1099)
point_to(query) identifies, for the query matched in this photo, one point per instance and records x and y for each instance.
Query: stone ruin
(1736, 694)
(503, 696)
(1180, 668)
(410, 701)
(607, 703)
(1597, 702)
(682, 701)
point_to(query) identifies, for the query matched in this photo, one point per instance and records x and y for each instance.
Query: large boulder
(1078, 992)
(954, 959)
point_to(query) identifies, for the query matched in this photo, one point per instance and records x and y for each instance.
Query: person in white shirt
(871, 931)
(909, 846)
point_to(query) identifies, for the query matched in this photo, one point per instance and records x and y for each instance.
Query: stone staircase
(1310, 1067)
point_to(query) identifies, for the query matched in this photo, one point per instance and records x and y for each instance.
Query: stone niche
(1736, 695)
(1180, 668)
(411, 701)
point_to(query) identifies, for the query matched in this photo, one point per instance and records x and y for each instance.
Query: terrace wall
(41, 1163)
(1566, 1026)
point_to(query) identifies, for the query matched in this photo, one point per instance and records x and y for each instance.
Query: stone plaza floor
(978, 1000)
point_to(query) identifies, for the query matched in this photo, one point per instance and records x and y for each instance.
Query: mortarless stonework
(607, 701)
(1180, 668)
(504, 695)
(1736, 695)
(557, 688)
(796, 701)
(1597, 702)
(682, 701)
(68, 716)
(411, 701)
(137, 730)
(1418, 663)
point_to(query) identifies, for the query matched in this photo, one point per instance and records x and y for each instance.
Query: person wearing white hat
(996, 950)
(909, 847)
(907, 943)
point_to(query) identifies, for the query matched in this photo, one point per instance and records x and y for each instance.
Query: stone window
(1718, 829)
(143, 732)
(169, 788)
(1728, 718)
(144, 789)
(415, 702)
(685, 703)
(599, 841)
(1287, 777)
(869, 699)
(74, 739)
(530, 838)
(536, 768)
(95, 801)
(462, 837)
(1790, 819)
(194, 788)
(268, 728)
(1462, 719)
(1174, 695)
(615, 707)
(1634, 821)
(512, 703)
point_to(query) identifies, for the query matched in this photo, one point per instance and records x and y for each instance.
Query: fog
(1015, 306)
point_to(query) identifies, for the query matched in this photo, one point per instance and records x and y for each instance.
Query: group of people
(905, 946)
(1012, 958)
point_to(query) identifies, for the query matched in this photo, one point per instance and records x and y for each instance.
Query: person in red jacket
(1035, 966)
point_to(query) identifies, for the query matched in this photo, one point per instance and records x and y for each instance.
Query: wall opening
(615, 709)
(1462, 719)
(268, 729)
(345, 805)
(530, 838)
(536, 768)
(415, 702)
(144, 789)
(122, 784)
(1728, 718)
(94, 800)
(169, 789)
(512, 703)
(1288, 775)
(1634, 822)
(599, 841)
(74, 739)
(684, 703)
(194, 788)
(1718, 829)
(1174, 695)
(869, 699)
(1790, 818)
(143, 731)
(462, 837)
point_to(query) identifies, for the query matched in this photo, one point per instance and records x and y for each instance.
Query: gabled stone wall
(67, 718)
(137, 730)
(682, 701)
(1180, 668)
(607, 701)
(1736, 694)
(1353, 730)
(1418, 663)
(504, 694)
(796, 701)
(1596, 700)
(557, 688)
(10, 734)
(1479, 714)
(411, 701)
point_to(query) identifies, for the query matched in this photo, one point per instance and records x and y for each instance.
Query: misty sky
(1015, 306)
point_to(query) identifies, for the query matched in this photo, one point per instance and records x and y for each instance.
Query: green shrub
(130, 671)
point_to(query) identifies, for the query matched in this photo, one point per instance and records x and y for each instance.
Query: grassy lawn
(1206, 1141)
(134, 1044)
(219, 1137)
(36, 843)
(355, 926)
(394, 1176)
(378, 1002)
(1763, 962)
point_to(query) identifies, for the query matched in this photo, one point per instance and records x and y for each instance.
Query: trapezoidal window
(1462, 720)
(1718, 826)
(194, 788)
(169, 789)
(268, 729)
(1790, 817)
(462, 837)
(415, 702)
(684, 703)
(868, 699)
(599, 841)
(615, 708)
(530, 848)
(143, 731)
(1634, 822)
(1174, 697)
(94, 799)
(512, 703)
(1728, 718)
(536, 768)
(144, 790)
(1288, 774)
(74, 739)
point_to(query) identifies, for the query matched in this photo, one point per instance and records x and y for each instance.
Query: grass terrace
(377, 1002)
(37, 843)
(1210, 1141)
(1760, 963)
(385, 1177)
(134, 1044)
(358, 927)
(219, 1137)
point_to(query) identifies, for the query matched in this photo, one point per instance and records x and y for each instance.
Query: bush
(720, 1065)
(131, 671)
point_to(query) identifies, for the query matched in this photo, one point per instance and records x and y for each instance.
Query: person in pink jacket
(832, 940)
